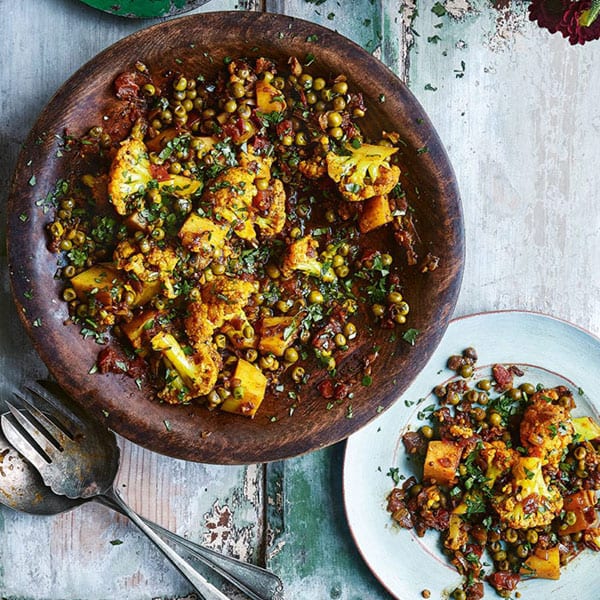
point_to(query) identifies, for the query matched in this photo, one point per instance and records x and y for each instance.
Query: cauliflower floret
(313, 168)
(198, 326)
(364, 172)
(302, 255)
(195, 373)
(456, 534)
(269, 205)
(499, 459)
(546, 428)
(230, 194)
(256, 163)
(223, 299)
(528, 500)
(129, 174)
(230, 294)
(157, 264)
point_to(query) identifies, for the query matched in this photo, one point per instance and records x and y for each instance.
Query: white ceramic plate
(551, 352)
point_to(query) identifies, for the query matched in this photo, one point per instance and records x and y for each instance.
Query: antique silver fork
(78, 458)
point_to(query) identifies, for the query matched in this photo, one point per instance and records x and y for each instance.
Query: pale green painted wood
(376, 25)
(311, 547)
(521, 126)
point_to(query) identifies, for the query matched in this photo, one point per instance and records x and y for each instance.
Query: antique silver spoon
(22, 488)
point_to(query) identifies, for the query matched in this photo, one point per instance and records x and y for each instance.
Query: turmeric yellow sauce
(216, 235)
(509, 478)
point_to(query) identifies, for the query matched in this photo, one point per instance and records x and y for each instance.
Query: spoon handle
(257, 583)
(200, 584)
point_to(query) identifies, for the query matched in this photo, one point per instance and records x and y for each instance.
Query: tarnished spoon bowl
(22, 488)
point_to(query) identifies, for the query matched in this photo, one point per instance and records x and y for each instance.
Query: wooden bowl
(199, 43)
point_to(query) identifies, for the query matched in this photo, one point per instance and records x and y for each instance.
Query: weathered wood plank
(311, 547)
(377, 26)
(520, 123)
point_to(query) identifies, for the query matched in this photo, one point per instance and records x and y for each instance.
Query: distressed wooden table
(517, 110)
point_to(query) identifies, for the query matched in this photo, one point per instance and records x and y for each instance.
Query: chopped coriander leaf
(410, 336)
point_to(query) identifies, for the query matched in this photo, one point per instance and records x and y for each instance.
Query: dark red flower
(548, 13)
(571, 27)
(565, 16)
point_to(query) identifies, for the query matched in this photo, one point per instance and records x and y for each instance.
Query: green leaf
(410, 336)
(589, 16)
(438, 9)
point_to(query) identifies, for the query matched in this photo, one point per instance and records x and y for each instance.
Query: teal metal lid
(144, 9)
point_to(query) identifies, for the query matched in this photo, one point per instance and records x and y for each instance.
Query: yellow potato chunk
(250, 391)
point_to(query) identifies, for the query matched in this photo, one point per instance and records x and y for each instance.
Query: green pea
(230, 106)
(158, 233)
(291, 355)
(180, 84)
(511, 535)
(527, 388)
(69, 294)
(319, 83)
(341, 87)
(484, 384)
(532, 536)
(466, 371)
(316, 297)
(495, 419)
(378, 310)
(217, 268)
(426, 432)
(298, 374)
(570, 518)
(339, 103)
(340, 340)
(69, 271)
(515, 394)
(238, 90)
(350, 330)
(334, 119)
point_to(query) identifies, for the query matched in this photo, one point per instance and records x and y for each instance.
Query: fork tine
(17, 438)
(43, 432)
(51, 421)
(62, 404)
